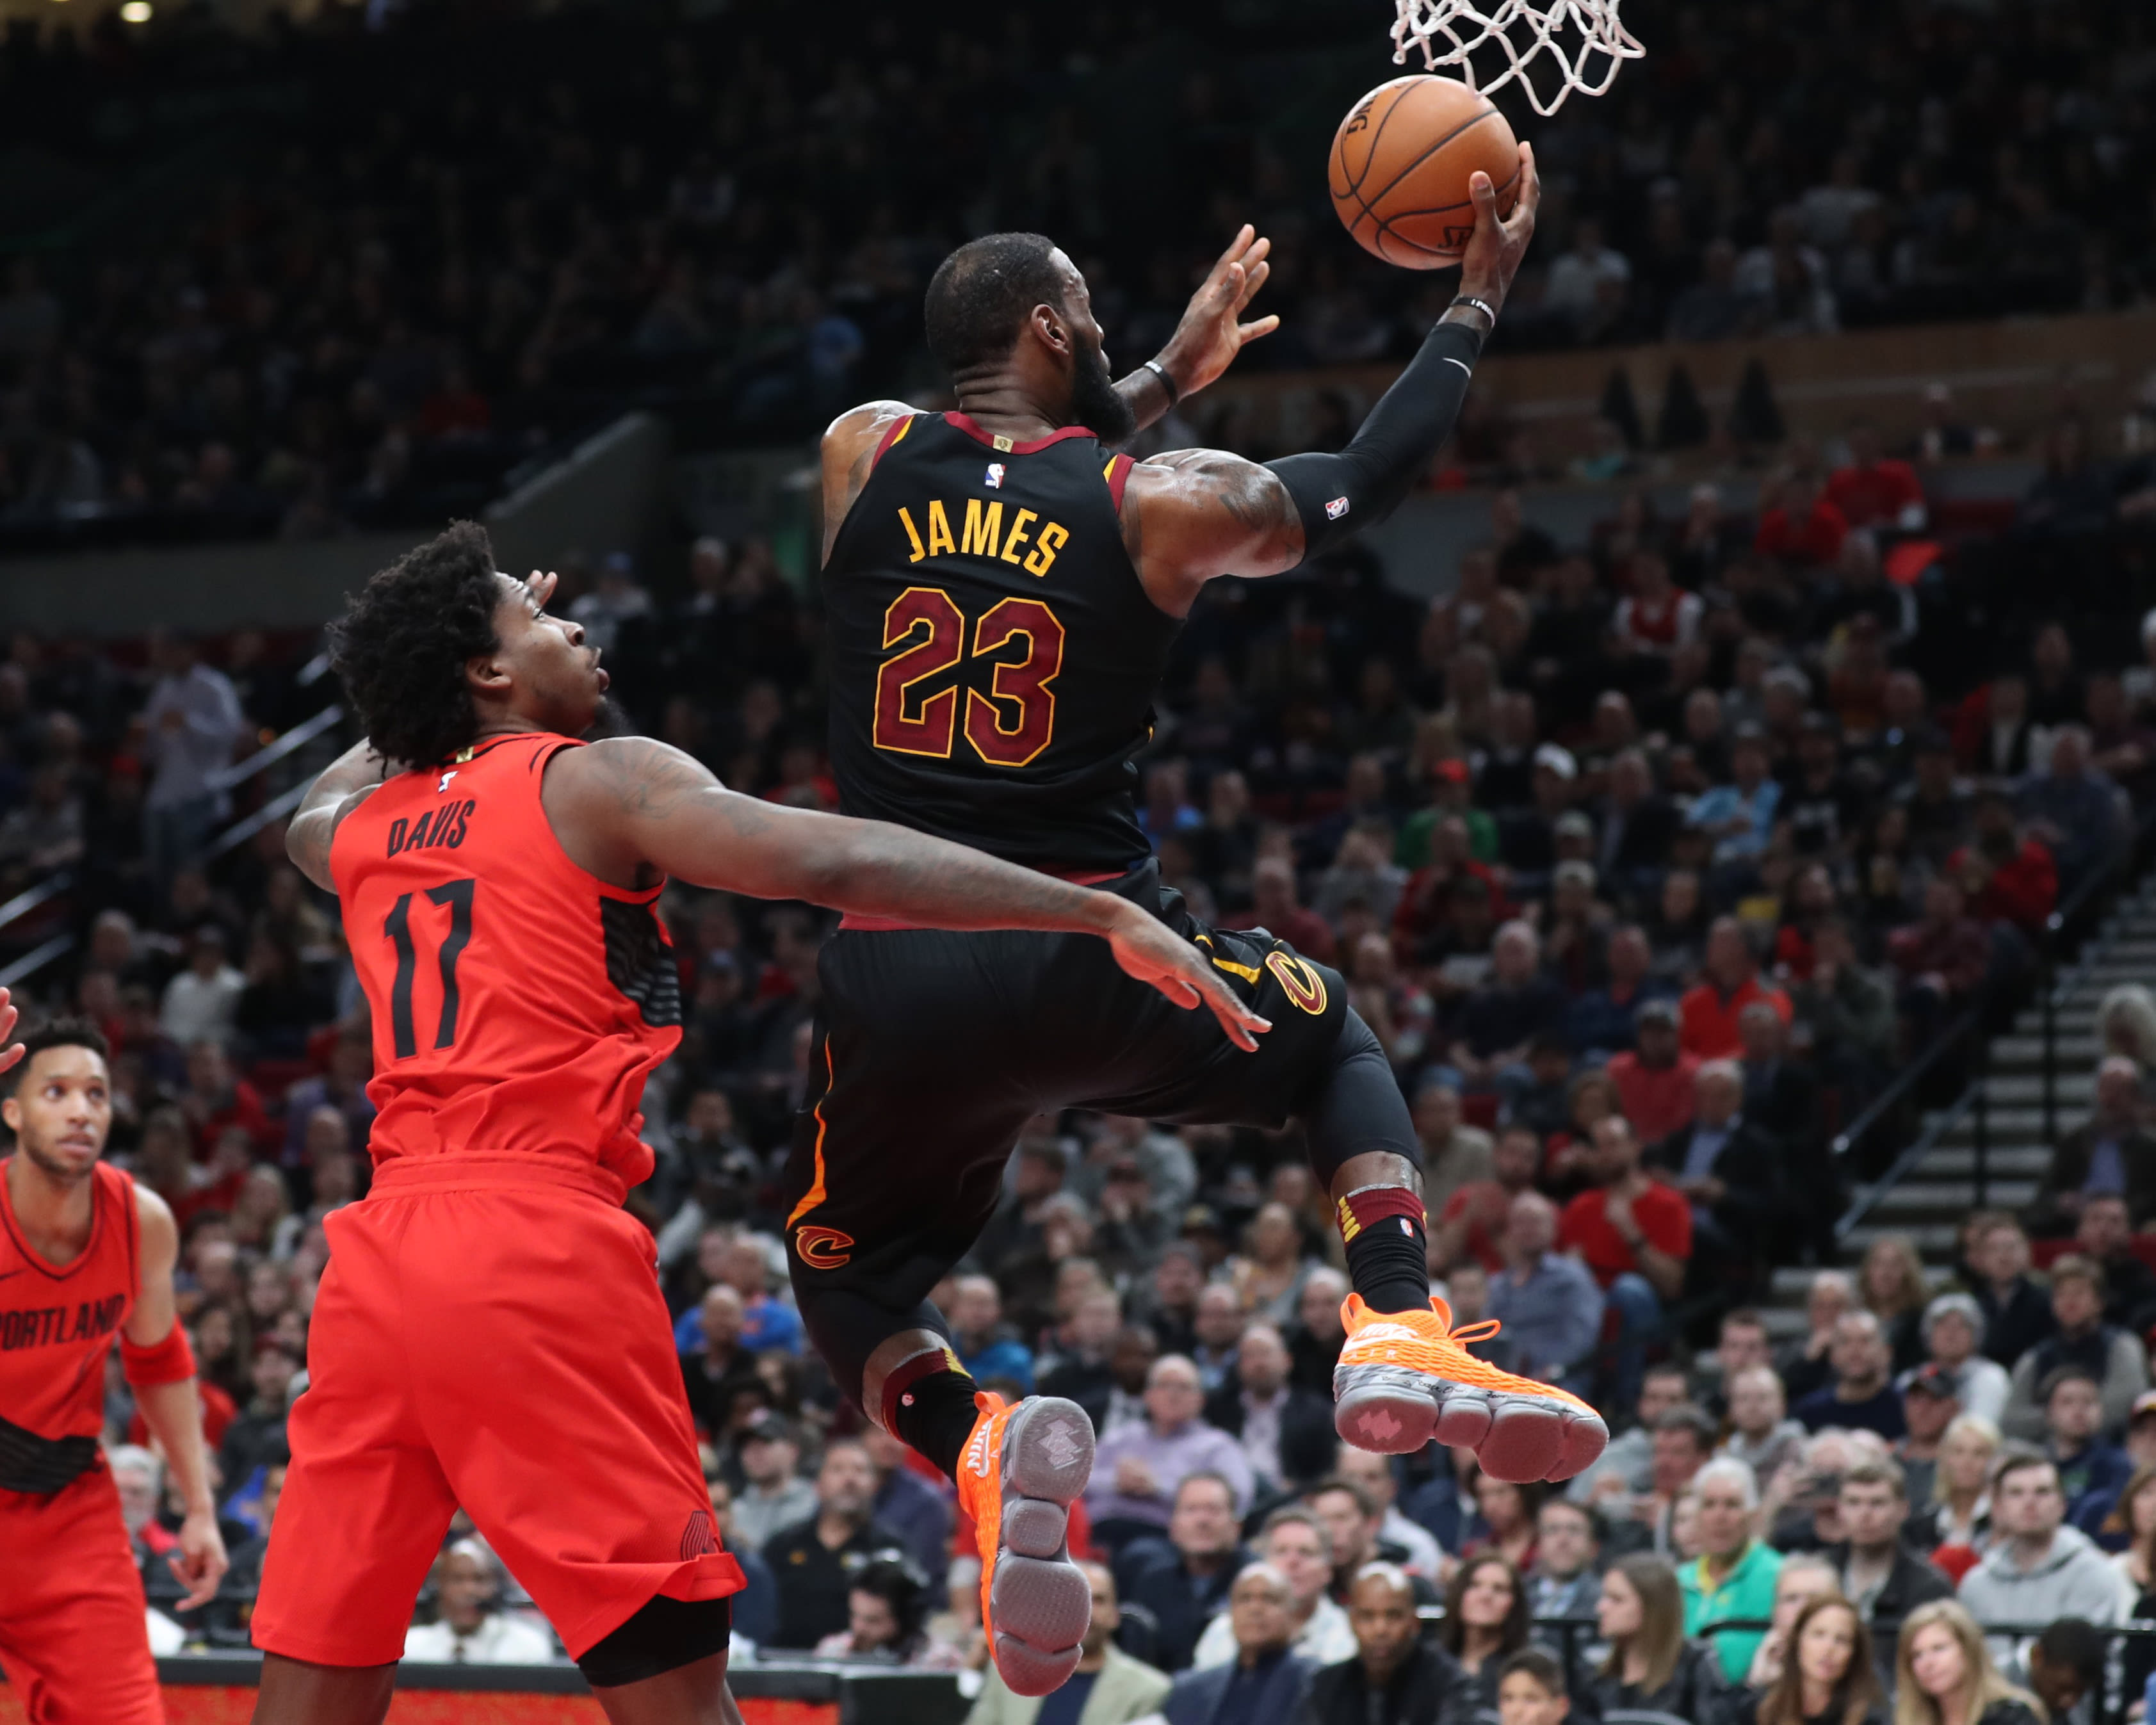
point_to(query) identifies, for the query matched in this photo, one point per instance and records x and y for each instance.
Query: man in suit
(1176, 1584)
(1726, 1167)
(1109, 1688)
(1396, 1677)
(1265, 1683)
(1638, 826)
(2110, 1152)
(1285, 1432)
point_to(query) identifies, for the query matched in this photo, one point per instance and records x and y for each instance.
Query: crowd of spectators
(346, 272)
(1646, 861)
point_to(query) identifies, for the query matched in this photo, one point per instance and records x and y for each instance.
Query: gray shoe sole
(1395, 1411)
(1039, 1600)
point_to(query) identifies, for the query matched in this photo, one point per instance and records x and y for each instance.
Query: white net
(1576, 44)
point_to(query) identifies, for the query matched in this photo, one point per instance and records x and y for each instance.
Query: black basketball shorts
(935, 1047)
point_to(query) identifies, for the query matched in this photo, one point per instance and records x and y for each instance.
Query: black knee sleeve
(1356, 1107)
(662, 1636)
(846, 1326)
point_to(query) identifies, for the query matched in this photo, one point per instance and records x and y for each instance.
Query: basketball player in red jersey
(1002, 593)
(489, 1332)
(85, 1255)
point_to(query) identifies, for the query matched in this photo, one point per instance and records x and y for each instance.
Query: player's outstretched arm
(172, 1407)
(1190, 516)
(630, 805)
(10, 1052)
(1211, 333)
(341, 787)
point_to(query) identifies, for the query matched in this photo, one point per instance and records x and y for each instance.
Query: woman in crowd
(1892, 1286)
(1508, 1512)
(1890, 875)
(886, 1605)
(1961, 1494)
(1828, 1678)
(2132, 1524)
(1593, 1100)
(1805, 1576)
(1943, 1674)
(1486, 1623)
(1270, 1274)
(1653, 1673)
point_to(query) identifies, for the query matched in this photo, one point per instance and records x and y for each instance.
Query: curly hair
(401, 646)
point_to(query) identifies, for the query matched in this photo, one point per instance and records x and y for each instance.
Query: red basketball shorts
(489, 1334)
(72, 1638)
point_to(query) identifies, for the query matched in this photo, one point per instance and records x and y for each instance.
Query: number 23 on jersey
(1019, 643)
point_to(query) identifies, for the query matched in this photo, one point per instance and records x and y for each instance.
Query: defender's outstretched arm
(645, 805)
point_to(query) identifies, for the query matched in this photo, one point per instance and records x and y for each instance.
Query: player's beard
(609, 720)
(1094, 403)
(54, 1166)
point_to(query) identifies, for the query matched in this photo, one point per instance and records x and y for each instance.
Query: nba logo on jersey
(995, 475)
(1337, 508)
(445, 784)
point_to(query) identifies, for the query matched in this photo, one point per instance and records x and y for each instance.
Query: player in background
(489, 1332)
(85, 1255)
(1001, 594)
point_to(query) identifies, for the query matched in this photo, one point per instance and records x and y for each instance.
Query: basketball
(1401, 164)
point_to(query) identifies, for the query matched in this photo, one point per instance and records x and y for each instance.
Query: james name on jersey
(981, 533)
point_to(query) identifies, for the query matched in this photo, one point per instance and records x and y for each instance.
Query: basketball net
(1527, 33)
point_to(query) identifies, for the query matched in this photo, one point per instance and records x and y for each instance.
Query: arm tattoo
(652, 782)
(1256, 501)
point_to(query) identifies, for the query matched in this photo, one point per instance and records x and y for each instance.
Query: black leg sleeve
(1357, 1106)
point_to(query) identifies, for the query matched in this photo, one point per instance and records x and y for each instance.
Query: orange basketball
(1400, 163)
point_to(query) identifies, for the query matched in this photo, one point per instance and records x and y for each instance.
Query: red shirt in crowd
(2021, 891)
(1815, 538)
(1869, 496)
(1708, 1020)
(241, 1105)
(1661, 1211)
(1483, 1205)
(1657, 1100)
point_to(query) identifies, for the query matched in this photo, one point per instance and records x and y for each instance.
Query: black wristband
(1167, 382)
(1483, 306)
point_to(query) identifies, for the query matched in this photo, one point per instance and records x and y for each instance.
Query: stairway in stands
(1931, 1200)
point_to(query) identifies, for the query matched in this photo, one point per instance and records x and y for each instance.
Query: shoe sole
(1039, 1599)
(1395, 1411)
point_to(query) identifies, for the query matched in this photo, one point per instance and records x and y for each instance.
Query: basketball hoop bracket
(1578, 43)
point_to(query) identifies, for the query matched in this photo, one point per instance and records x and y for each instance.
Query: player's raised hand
(200, 1563)
(1212, 333)
(1493, 255)
(10, 1052)
(1149, 950)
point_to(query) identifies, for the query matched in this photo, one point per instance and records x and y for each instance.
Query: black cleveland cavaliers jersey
(994, 655)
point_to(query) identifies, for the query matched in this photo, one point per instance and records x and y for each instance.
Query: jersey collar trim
(37, 1260)
(964, 423)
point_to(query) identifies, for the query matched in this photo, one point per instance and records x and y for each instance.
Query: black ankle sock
(1389, 1265)
(935, 1414)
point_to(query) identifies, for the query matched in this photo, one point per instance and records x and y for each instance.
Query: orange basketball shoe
(1021, 1469)
(1404, 1378)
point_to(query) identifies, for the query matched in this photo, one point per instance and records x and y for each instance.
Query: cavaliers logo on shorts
(822, 1247)
(1302, 985)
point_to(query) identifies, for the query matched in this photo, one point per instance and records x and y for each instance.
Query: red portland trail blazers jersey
(58, 1324)
(519, 1002)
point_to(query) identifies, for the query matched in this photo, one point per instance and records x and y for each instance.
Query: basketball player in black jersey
(1002, 593)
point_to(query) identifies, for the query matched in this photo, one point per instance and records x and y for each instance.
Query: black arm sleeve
(1338, 495)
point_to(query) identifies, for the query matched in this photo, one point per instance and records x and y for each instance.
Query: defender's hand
(1147, 949)
(1210, 335)
(1493, 255)
(200, 1563)
(10, 1052)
